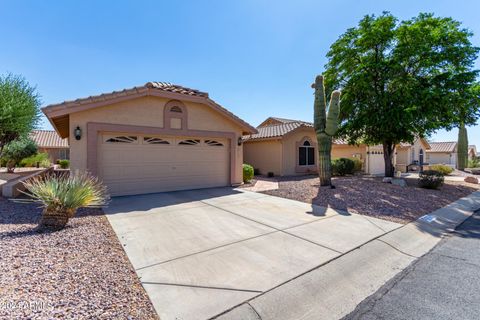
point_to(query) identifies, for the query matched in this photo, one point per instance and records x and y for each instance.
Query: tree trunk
(324, 159)
(388, 151)
(462, 148)
(54, 220)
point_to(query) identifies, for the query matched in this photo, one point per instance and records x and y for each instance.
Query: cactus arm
(319, 107)
(333, 112)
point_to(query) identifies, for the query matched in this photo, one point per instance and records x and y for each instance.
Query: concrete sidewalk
(200, 253)
(333, 290)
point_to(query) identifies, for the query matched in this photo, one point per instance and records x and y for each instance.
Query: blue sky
(257, 58)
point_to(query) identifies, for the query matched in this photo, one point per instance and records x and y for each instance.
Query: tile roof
(144, 90)
(442, 146)
(167, 86)
(279, 130)
(48, 139)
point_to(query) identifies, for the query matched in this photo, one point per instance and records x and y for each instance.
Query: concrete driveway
(199, 253)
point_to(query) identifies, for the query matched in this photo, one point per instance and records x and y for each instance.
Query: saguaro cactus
(326, 126)
(462, 147)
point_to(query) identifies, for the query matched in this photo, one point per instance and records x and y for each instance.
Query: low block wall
(13, 189)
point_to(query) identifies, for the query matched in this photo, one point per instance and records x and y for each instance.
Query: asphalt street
(443, 284)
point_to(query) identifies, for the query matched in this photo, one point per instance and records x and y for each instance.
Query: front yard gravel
(80, 272)
(370, 196)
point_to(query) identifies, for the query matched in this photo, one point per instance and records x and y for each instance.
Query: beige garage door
(135, 164)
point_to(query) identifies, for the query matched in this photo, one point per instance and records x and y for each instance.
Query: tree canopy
(19, 108)
(402, 80)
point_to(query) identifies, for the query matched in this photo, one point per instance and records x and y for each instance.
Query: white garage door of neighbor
(135, 164)
(376, 162)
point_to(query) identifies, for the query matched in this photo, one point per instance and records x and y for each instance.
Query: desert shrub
(17, 150)
(358, 164)
(31, 161)
(474, 163)
(443, 169)
(247, 173)
(342, 166)
(61, 196)
(430, 179)
(64, 163)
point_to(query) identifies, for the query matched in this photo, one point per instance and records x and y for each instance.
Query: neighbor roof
(279, 130)
(442, 146)
(48, 139)
(58, 113)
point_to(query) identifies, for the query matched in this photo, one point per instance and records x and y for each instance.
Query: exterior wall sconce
(77, 133)
(239, 142)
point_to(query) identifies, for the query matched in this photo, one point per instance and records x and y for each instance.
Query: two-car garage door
(135, 164)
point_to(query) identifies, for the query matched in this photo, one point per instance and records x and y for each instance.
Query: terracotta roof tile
(48, 139)
(442, 146)
(279, 130)
(166, 86)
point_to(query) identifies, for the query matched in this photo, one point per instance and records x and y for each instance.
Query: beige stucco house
(443, 153)
(152, 138)
(289, 147)
(50, 142)
(409, 155)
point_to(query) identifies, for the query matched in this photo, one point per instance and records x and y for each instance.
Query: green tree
(399, 79)
(19, 108)
(17, 150)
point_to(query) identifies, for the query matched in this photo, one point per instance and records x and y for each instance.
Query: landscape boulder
(399, 182)
(471, 180)
(387, 180)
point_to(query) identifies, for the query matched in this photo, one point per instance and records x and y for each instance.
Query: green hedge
(247, 173)
(32, 161)
(343, 166)
(64, 163)
(430, 179)
(443, 169)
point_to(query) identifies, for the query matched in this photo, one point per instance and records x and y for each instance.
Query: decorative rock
(473, 170)
(471, 180)
(387, 180)
(399, 182)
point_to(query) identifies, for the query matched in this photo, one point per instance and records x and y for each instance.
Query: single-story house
(472, 152)
(153, 138)
(50, 142)
(289, 147)
(409, 156)
(443, 153)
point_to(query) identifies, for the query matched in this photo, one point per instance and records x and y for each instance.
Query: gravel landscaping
(370, 196)
(80, 272)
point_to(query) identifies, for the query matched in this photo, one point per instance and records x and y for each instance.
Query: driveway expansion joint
(395, 248)
(200, 287)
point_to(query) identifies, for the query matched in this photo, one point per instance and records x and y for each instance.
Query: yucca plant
(61, 196)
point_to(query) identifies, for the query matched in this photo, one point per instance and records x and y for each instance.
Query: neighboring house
(289, 147)
(472, 152)
(443, 153)
(153, 138)
(408, 156)
(50, 142)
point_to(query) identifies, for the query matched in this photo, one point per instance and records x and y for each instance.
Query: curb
(333, 290)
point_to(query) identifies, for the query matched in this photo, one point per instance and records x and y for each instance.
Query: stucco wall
(290, 149)
(264, 155)
(149, 111)
(441, 158)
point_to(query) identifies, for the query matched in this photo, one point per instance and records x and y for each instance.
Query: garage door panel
(144, 167)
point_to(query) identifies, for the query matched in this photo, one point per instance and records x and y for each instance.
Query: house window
(213, 143)
(189, 142)
(306, 154)
(176, 109)
(150, 140)
(122, 139)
